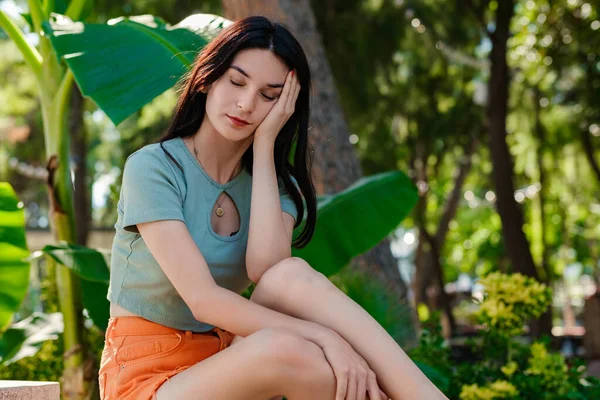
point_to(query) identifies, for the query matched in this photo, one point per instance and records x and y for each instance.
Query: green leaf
(27, 18)
(87, 263)
(91, 266)
(93, 295)
(25, 338)
(14, 269)
(356, 219)
(124, 64)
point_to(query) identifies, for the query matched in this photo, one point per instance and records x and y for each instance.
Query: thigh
(245, 370)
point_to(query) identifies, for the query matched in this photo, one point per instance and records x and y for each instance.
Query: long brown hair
(212, 62)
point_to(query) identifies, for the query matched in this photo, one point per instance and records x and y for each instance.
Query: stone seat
(29, 390)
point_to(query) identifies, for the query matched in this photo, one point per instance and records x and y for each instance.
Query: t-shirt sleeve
(287, 202)
(150, 191)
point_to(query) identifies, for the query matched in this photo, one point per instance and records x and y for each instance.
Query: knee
(290, 274)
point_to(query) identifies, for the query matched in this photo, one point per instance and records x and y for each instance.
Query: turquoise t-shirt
(154, 188)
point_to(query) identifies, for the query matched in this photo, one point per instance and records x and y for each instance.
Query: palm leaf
(356, 219)
(124, 64)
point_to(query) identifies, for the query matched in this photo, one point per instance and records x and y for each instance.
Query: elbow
(202, 301)
(254, 278)
(256, 265)
(254, 270)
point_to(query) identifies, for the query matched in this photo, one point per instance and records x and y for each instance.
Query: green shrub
(504, 368)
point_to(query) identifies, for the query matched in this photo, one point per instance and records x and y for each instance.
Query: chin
(234, 135)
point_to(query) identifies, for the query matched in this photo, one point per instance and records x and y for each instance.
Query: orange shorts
(140, 355)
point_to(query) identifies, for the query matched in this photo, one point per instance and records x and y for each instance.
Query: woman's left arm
(270, 232)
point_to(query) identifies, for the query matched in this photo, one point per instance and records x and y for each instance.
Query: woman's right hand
(354, 377)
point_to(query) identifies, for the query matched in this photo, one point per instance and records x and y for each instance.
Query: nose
(246, 101)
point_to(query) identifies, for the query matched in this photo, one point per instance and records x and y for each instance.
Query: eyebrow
(241, 71)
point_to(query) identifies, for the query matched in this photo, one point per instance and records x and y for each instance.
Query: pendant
(219, 211)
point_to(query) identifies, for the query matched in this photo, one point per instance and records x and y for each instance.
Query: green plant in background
(14, 271)
(503, 368)
(510, 301)
(55, 83)
(494, 390)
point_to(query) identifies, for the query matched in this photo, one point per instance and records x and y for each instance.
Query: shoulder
(152, 163)
(153, 156)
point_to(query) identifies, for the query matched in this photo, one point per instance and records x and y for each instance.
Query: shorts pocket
(136, 349)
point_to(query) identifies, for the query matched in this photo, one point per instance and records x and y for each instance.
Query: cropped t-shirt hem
(149, 314)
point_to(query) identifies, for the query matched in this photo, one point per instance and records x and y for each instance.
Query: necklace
(219, 212)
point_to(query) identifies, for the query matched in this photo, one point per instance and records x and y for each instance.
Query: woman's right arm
(176, 252)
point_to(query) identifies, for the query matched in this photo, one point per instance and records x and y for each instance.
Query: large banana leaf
(14, 270)
(124, 64)
(90, 265)
(356, 219)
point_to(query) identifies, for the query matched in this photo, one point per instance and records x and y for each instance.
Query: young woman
(212, 207)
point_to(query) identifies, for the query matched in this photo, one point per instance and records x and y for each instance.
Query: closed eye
(269, 98)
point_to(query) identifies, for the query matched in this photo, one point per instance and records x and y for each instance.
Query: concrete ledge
(26, 390)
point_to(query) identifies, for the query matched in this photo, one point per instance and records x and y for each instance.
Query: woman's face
(240, 100)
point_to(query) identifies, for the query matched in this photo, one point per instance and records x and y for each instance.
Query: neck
(220, 158)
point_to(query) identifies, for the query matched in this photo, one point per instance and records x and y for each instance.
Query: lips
(238, 121)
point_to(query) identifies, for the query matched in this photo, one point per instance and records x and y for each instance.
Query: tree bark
(427, 272)
(443, 299)
(423, 275)
(81, 195)
(335, 163)
(517, 246)
(429, 269)
(591, 338)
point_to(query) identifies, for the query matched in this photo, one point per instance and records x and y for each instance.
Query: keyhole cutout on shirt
(229, 223)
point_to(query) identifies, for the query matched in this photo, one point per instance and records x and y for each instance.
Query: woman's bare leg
(294, 288)
(262, 366)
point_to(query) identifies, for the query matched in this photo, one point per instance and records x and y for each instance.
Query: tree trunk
(427, 272)
(329, 132)
(591, 339)
(515, 241)
(443, 301)
(423, 277)
(81, 195)
(428, 266)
